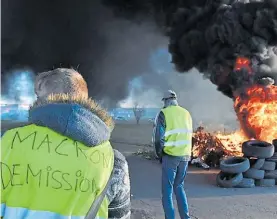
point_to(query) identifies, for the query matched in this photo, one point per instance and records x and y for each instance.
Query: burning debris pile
(212, 147)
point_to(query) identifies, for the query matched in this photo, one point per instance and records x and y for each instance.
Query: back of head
(60, 81)
(169, 94)
(170, 98)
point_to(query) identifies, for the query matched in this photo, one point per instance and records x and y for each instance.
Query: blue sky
(160, 63)
(160, 60)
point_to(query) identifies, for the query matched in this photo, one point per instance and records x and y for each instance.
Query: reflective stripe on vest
(178, 133)
(176, 143)
(14, 213)
(47, 175)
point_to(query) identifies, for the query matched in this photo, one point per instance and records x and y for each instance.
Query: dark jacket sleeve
(11, 125)
(119, 191)
(159, 132)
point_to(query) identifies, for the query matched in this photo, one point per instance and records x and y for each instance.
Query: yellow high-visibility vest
(47, 175)
(178, 132)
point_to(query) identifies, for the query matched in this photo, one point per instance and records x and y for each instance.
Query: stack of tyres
(272, 174)
(231, 174)
(262, 168)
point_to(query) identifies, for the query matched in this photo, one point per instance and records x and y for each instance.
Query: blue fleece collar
(71, 120)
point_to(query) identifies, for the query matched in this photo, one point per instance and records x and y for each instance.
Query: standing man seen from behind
(173, 143)
(61, 164)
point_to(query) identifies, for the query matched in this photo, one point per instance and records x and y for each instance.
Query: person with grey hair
(61, 164)
(173, 145)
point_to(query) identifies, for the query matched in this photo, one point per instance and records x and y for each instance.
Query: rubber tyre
(259, 149)
(269, 165)
(256, 163)
(270, 174)
(274, 142)
(246, 183)
(234, 179)
(273, 158)
(234, 165)
(254, 174)
(265, 182)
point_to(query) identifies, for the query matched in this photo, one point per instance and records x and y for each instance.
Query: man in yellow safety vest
(61, 164)
(173, 143)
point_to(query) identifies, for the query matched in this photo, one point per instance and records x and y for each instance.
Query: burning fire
(242, 62)
(257, 112)
(256, 109)
(232, 142)
(228, 144)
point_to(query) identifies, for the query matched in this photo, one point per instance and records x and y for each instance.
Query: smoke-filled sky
(111, 42)
(211, 34)
(198, 95)
(108, 51)
(211, 38)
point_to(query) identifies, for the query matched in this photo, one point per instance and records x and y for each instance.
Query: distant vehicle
(120, 118)
(17, 112)
(151, 120)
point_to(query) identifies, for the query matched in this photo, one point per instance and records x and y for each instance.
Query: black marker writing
(78, 174)
(56, 180)
(56, 149)
(23, 175)
(15, 173)
(3, 168)
(95, 157)
(48, 173)
(63, 177)
(45, 141)
(17, 136)
(29, 170)
(84, 185)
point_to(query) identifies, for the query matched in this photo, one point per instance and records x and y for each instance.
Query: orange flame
(256, 109)
(232, 142)
(257, 112)
(242, 62)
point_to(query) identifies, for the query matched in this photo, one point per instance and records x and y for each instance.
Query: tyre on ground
(256, 163)
(228, 180)
(259, 149)
(273, 158)
(265, 182)
(234, 165)
(254, 174)
(246, 183)
(274, 142)
(269, 165)
(270, 174)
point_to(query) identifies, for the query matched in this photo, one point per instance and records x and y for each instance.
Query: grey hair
(60, 81)
(170, 102)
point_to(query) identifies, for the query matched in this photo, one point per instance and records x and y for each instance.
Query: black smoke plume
(210, 34)
(213, 37)
(206, 34)
(41, 35)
